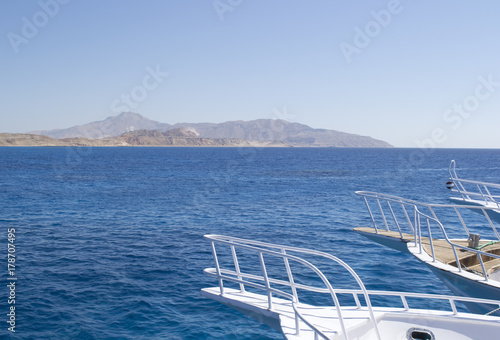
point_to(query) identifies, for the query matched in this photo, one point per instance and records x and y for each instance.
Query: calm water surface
(109, 240)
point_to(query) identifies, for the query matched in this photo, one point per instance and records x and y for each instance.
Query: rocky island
(132, 129)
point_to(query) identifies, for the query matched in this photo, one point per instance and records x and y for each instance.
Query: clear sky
(412, 73)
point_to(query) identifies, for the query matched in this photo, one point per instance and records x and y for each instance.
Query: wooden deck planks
(443, 251)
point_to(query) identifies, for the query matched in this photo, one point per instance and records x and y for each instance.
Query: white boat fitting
(474, 192)
(446, 237)
(274, 284)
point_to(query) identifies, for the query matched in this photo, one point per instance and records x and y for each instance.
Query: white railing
(270, 285)
(420, 220)
(260, 248)
(478, 190)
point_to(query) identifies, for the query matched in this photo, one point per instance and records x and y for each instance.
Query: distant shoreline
(149, 139)
(178, 146)
(32, 140)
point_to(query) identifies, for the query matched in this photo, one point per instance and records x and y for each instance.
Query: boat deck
(282, 315)
(392, 323)
(365, 315)
(444, 251)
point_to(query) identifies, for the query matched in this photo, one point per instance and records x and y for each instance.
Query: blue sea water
(109, 241)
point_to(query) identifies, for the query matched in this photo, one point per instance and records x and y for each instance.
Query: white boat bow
(277, 281)
(460, 247)
(474, 192)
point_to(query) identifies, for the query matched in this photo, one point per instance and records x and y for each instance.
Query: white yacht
(459, 246)
(474, 192)
(285, 288)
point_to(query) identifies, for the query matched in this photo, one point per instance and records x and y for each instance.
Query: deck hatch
(419, 334)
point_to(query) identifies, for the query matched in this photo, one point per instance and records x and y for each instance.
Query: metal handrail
(261, 248)
(467, 195)
(430, 206)
(265, 248)
(452, 299)
(417, 229)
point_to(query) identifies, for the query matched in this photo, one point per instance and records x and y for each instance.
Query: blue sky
(412, 73)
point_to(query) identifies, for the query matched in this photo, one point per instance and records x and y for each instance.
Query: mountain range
(276, 132)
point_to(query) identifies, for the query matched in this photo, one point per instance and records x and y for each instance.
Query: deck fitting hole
(419, 334)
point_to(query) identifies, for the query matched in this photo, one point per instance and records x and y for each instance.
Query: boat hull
(382, 238)
(461, 286)
(393, 323)
(242, 305)
(494, 214)
(460, 283)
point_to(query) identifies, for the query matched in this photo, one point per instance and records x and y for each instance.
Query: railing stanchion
(395, 219)
(419, 230)
(290, 276)
(430, 240)
(237, 268)
(371, 215)
(415, 223)
(481, 193)
(356, 299)
(383, 215)
(297, 324)
(491, 223)
(405, 303)
(462, 220)
(217, 268)
(453, 307)
(266, 281)
(408, 218)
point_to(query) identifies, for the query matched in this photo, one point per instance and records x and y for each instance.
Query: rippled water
(109, 240)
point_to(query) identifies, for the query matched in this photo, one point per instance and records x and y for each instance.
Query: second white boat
(459, 246)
